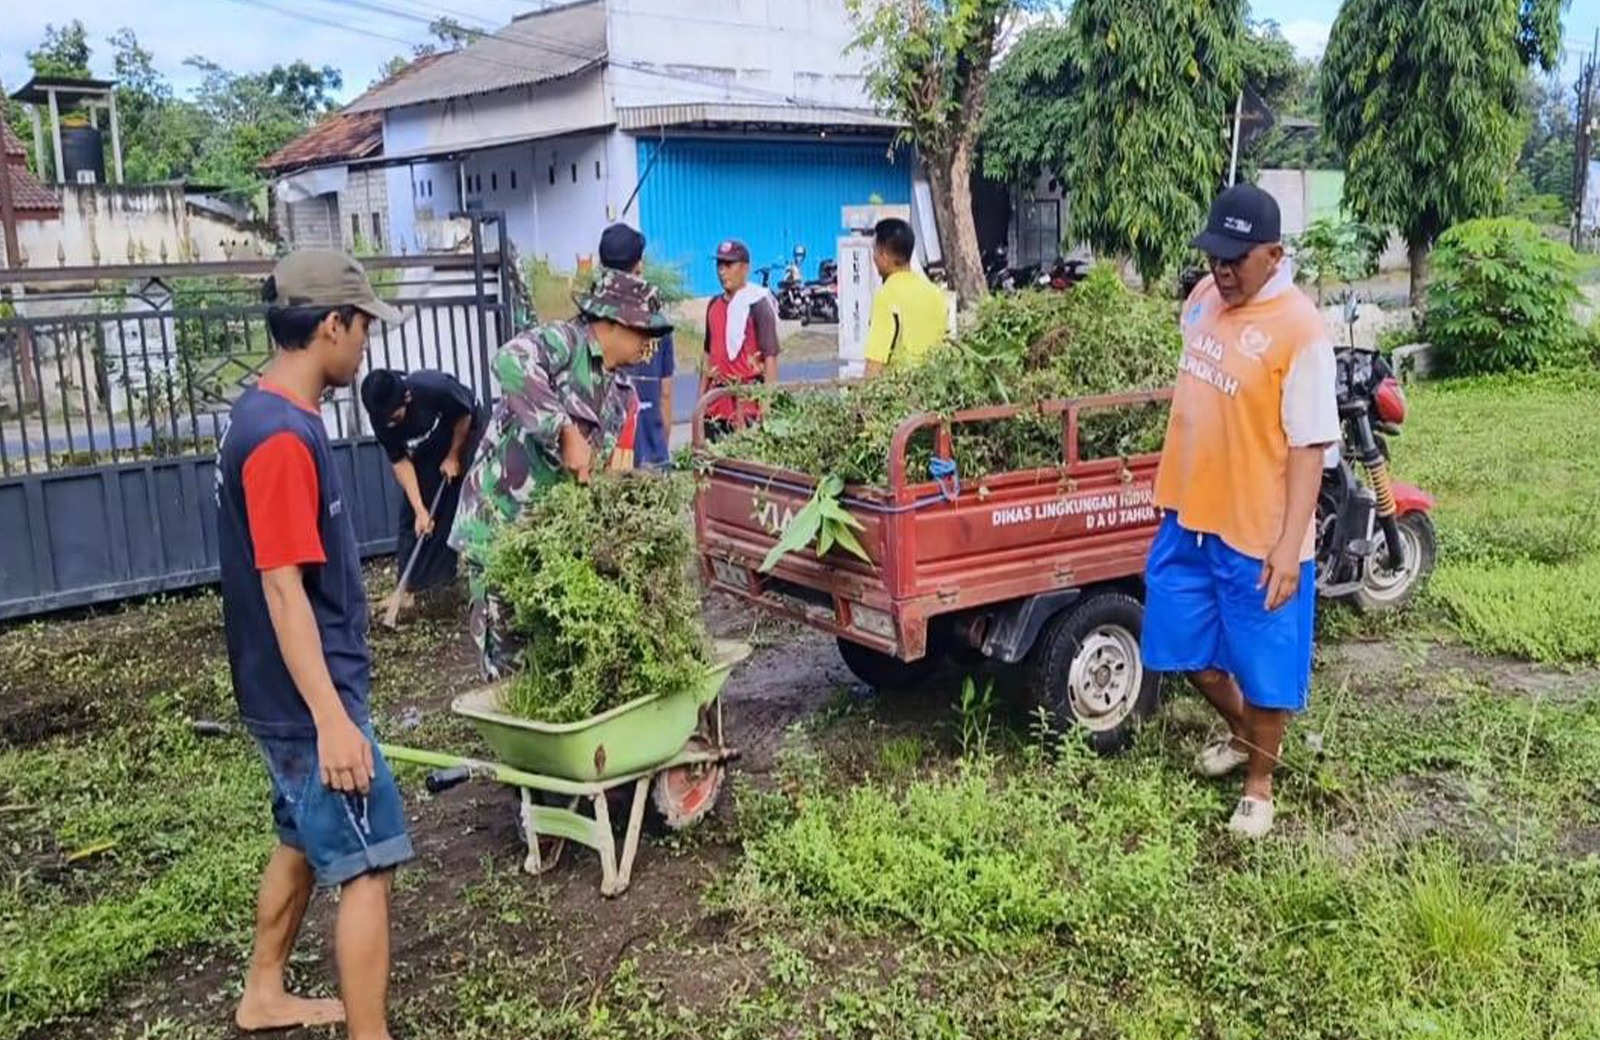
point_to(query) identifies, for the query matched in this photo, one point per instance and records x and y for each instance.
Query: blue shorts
(1203, 610)
(343, 836)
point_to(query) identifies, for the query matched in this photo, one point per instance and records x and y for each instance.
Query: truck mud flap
(1014, 626)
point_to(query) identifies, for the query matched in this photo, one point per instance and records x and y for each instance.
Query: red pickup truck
(1037, 568)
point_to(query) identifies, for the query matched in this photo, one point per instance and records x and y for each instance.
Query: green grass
(1512, 462)
(1099, 896)
(125, 837)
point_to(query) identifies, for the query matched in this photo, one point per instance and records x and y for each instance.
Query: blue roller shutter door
(773, 195)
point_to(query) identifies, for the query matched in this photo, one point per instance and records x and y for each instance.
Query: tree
(446, 34)
(62, 52)
(1424, 97)
(930, 69)
(1133, 119)
(1301, 149)
(161, 134)
(247, 118)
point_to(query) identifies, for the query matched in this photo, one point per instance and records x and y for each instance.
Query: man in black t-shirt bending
(429, 424)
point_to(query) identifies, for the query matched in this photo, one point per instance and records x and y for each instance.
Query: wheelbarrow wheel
(684, 794)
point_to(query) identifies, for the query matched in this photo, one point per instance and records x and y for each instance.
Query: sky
(246, 36)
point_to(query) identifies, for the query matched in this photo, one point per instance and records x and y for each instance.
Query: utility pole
(1584, 144)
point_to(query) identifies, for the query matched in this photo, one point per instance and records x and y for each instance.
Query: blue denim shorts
(343, 836)
(1203, 610)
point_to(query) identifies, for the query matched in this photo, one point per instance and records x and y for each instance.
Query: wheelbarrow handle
(441, 780)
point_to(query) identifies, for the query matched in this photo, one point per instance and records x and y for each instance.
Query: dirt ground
(466, 889)
(470, 927)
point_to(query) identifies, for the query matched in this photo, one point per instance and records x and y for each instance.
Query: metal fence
(115, 385)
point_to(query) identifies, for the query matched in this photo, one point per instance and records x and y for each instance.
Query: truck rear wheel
(883, 671)
(1087, 671)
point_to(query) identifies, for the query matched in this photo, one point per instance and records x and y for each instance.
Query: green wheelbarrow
(668, 747)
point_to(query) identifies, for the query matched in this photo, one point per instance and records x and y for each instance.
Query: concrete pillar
(116, 135)
(55, 128)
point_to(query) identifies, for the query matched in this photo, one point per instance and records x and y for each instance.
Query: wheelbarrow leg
(630, 844)
(606, 846)
(537, 861)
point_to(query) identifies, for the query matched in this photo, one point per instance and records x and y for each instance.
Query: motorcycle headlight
(1390, 402)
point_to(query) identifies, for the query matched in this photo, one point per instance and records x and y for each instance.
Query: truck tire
(882, 671)
(1086, 669)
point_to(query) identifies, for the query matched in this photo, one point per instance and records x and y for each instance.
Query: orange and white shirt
(1253, 382)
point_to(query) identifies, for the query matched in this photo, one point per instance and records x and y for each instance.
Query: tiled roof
(544, 45)
(344, 136)
(31, 198)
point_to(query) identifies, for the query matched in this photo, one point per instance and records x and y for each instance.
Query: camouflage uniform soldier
(562, 402)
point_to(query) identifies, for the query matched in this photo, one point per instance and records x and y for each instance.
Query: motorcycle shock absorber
(1383, 489)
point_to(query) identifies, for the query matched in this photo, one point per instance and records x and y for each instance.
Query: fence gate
(115, 384)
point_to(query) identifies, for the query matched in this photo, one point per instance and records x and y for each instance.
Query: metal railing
(91, 375)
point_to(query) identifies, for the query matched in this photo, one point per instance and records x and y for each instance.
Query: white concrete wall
(741, 51)
(570, 213)
(565, 105)
(420, 198)
(99, 224)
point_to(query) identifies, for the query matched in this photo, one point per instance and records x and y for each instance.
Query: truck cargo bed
(1000, 538)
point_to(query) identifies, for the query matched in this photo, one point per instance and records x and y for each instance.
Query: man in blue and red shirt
(295, 614)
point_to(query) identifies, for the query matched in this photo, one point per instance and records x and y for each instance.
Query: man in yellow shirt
(909, 314)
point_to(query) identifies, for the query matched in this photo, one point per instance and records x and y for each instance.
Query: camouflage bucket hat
(627, 300)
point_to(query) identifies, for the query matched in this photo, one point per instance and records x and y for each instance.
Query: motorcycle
(1061, 275)
(997, 271)
(1376, 543)
(821, 299)
(791, 290)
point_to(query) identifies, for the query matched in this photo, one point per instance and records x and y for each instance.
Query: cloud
(1308, 36)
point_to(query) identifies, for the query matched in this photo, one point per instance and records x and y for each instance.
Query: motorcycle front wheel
(1383, 589)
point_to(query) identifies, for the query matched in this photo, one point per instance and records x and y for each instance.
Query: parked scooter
(821, 297)
(997, 271)
(1061, 275)
(1376, 543)
(791, 288)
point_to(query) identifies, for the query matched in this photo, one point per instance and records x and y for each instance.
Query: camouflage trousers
(499, 650)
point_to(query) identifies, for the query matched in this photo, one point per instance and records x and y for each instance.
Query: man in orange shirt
(1230, 585)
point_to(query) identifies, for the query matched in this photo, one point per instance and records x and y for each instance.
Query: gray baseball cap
(327, 278)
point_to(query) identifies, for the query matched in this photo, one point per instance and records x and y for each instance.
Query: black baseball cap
(733, 251)
(1242, 218)
(621, 247)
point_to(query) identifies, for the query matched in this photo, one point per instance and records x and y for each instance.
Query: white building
(696, 122)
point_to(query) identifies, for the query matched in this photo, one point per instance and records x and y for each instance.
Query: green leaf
(798, 534)
(851, 543)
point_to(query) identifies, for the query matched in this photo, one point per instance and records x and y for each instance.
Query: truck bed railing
(901, 494)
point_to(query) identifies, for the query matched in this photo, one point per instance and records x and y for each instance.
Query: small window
(430, 187)
(597, 169)
(355, 227)
(377, 230)
(513, 180)
(494, 182)
(574, 173)
(552, 176)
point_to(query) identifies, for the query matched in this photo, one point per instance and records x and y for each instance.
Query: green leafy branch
(822, 522)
